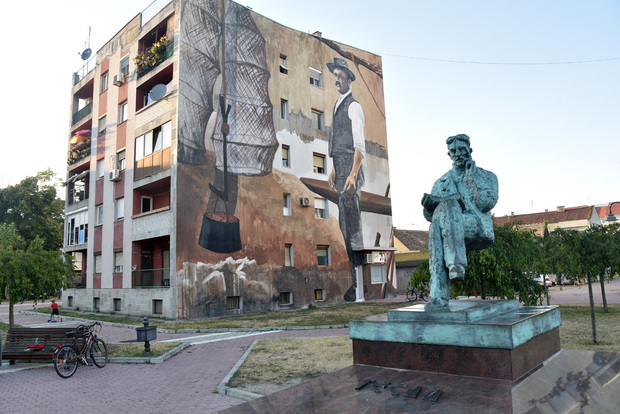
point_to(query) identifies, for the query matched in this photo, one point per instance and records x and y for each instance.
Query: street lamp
(610, 217)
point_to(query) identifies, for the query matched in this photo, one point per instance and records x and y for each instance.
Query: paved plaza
(182, 384)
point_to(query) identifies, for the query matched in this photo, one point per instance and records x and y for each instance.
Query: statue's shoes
(457, 272)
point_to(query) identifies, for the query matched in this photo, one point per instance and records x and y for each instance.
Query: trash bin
(147, 333)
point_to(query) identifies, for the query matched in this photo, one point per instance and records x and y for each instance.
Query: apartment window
(285, 156)
(232, 302)
(101, 125)
(283, 64)
(377, 274)
(77, 228)
(125, 66)
(100, 168)
(158, 306)
(99, 212)
(318, 163)
(319, 294)
(120, 208)
(288, 255)
(286, 200)
(104, 82)
(122, 112)
(320, 208)
(316, 78)
(283, 108)
(146, 204)
(286, 298)
(120, 160)
(117, 304)
(322, 255)
(118, 262)
(96, 303)
(98, 264)
(155, 140)
(318, 120)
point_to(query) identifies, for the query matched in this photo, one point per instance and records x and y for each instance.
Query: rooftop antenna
(86, 52)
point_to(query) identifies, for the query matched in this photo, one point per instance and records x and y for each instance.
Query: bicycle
(413, 295)
(84, 342)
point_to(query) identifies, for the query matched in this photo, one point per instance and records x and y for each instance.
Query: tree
(34, 208)
(504, 270)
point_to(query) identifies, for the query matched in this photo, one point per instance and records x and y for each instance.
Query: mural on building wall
(226, 57)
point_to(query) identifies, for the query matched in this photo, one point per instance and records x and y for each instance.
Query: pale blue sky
(549, 130)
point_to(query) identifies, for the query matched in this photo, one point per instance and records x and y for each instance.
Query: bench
(19, 339)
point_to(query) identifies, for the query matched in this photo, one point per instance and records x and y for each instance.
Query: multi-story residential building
(208, 173)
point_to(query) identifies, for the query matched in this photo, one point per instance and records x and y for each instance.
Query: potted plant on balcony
(152, 56)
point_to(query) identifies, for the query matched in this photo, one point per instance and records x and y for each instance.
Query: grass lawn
(136, 350)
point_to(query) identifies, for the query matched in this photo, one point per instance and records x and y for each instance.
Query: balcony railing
(78, 281)
(153, 57)
(78, 152)
(82, 113)
(151, 278)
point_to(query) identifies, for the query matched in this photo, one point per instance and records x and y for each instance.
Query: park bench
(18, 341)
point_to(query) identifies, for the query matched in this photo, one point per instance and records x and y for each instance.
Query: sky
(534, 83)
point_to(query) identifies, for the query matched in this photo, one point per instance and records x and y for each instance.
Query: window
(99, 213)
(286, 298)
(118, 262)
(288, 255)
(319, 294)
(70, 301)
(285, 156)
(77, 228)
(318, 120)
(286, 200)
(318, 163)
(322, 255)
(377, 274)
(283, 64)
(155, 140)
(100, 168)
(120, 208)
(320, 208)
(117, 304)
(98, 264)
(96, 303)
(104, 82)
(283, 108)
(101, 125)
(146, 204)
(120, 157)
(158, 306)
(125, 66)
(232, 302)
(122, 112)
(316, 78)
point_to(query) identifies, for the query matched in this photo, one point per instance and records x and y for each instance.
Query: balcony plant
(152, 56)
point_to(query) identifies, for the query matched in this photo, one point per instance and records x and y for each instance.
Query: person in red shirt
(55, 312)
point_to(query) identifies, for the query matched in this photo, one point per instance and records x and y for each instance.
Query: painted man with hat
(347, 149)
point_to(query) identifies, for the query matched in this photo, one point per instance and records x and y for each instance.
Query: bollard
(147, 345)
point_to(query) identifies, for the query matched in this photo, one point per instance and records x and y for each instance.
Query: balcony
(78, 152)
(151, 278)
(152, 57)
(82, 113)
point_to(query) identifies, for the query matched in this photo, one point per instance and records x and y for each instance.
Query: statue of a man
(459, 209)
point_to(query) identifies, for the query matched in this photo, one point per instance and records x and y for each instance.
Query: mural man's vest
(341, 132)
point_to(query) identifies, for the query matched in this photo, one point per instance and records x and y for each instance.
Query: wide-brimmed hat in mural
(340, 63)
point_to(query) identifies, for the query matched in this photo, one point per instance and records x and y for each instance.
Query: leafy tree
(504, 270)
(34, 208)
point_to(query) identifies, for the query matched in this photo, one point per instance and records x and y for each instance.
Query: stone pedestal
(489, 339)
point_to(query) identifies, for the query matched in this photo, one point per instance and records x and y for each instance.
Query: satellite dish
(86, 53)
(158, 91)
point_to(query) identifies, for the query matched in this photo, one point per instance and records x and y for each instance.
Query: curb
(223, 389)
(152, 360)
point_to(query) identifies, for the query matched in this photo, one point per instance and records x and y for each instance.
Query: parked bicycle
(413, 295)
(84, 343)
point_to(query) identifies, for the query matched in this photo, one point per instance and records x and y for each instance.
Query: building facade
(210, 171)
(564, 218)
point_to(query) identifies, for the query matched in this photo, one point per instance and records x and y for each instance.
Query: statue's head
(459, 149)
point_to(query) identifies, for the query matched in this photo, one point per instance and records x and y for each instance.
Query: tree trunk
(592, 310)
(603, 293)
(11, 317)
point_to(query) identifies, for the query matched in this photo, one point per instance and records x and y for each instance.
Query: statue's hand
(430, 202)
(351, 184)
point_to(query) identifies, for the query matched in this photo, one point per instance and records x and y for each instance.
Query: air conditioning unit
(375, 258)
(115, 175)
(304, 201)
(118, 79)
(368, 258)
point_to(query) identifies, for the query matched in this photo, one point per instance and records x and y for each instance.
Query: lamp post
(611, 217)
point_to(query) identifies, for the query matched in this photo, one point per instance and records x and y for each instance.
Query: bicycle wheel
(99, 352)
(66, 361)
(412, 296)
(424, 296)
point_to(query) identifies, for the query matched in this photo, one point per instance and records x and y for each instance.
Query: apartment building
(209, 175)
